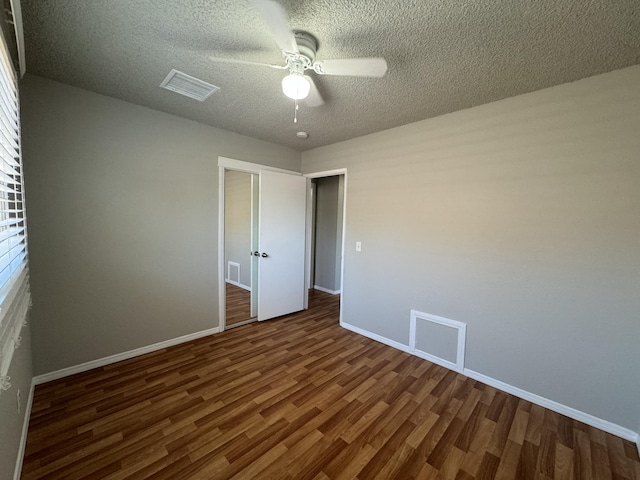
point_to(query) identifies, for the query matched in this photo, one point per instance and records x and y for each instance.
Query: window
(14, 287)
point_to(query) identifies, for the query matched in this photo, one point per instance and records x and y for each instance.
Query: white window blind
(15, 296)
(13, 236)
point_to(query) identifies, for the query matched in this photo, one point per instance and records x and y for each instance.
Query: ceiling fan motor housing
(307, 47)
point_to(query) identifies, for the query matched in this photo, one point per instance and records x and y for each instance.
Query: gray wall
(237, 220)
(11, 421)
(122, 215)
(339, 228)
(520, 218)
(326, 233)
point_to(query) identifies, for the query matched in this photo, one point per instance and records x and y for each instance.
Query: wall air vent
(437, 339)
(188, 86)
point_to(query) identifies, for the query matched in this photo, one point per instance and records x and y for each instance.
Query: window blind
(15, 295)
(13, 236)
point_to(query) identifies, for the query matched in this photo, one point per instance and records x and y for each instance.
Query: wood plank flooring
(238, 304)
(301, 398)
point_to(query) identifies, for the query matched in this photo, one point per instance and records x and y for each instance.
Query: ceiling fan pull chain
(295, 111)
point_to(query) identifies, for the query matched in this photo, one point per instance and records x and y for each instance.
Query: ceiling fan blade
(353, 67)
(275, 17)
(314, 99)
(246, 62)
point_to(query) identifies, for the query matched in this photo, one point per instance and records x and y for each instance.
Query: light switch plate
(358, 246)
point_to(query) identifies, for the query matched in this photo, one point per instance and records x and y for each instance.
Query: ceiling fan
(299, 52)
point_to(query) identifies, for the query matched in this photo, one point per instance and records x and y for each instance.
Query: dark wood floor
(238, 305)
(301, 398)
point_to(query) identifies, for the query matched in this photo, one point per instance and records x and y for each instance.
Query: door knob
(256, 253)
(264, 255)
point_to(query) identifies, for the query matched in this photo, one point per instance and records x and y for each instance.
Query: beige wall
(122, 215)
(520, 218)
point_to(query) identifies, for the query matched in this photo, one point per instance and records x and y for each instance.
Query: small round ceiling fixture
(302, 135)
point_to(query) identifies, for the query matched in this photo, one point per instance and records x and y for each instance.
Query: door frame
(309, 176)
(225, 163)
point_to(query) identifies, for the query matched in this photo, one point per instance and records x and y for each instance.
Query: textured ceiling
(443, 56)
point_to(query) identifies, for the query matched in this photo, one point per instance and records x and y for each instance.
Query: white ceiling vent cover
(188, 86)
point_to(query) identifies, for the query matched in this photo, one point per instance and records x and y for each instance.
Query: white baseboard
(433, 359)
(326, 290)
(570, 412)
(101, 362)
(376, 337)
(244, 287)
(25, 429)
(241, 324)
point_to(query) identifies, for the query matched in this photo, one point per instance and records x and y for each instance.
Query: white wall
(122, 214)
(520, 218)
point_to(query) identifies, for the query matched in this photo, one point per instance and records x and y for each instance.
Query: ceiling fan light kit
(296, 86)
(299, 52)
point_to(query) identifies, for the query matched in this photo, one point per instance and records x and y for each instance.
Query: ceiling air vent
(188, 86)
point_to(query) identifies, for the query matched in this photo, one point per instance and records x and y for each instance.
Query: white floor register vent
(437, 339)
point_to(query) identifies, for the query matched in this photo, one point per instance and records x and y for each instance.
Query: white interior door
(255, 246)
(282, 244)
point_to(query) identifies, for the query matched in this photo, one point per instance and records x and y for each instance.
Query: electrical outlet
(19, 402)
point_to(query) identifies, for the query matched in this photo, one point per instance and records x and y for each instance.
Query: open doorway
(326, 237)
